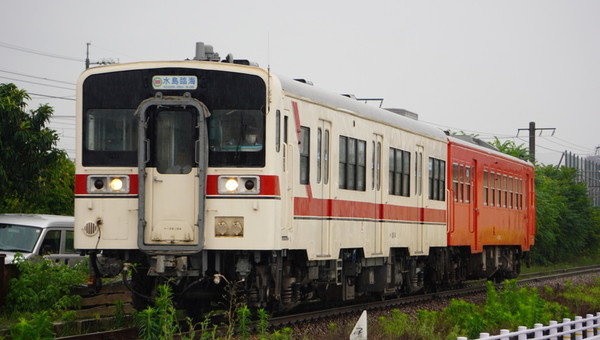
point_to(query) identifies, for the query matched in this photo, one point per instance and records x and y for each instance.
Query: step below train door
(172, 165)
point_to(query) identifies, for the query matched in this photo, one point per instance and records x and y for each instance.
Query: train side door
(286, 182)
(323, 181)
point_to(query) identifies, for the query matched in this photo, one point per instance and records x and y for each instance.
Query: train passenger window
(419, 172)
(485, 187)
(378, 167)
(304, 154)
(343, 162)
(399, 172)
(437, 179)
(467, 184)
(492, 185)
(461, 183)
(510, 192)
(353, 162)
(285, 129)
(319, 145)
(373, 168)
(499, 190)
(455, 181)
(326, 157)
(505, 191)
(277, 130)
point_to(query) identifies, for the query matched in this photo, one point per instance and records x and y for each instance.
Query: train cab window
(304, 155)
(437, 179)
(399, 172)
(110, 137)
(353, 162)
(485, 187)
(236, 138)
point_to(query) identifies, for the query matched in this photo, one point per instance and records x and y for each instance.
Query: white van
(50, 236)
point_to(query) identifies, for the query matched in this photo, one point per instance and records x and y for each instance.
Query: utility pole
(532, 129)
(101, 62)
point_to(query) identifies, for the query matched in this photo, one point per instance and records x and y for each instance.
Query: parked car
(50, 236)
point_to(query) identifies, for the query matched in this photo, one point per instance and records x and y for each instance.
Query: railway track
(473, 287)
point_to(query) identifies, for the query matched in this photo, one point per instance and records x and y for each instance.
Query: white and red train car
(202, 173)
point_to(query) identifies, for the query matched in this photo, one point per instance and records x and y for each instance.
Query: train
(213, 172)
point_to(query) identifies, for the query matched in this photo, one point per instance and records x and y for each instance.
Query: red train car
(491, 207)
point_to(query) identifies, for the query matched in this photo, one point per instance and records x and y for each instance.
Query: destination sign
(175, 82)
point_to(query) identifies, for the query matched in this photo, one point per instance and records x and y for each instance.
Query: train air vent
(90, 229)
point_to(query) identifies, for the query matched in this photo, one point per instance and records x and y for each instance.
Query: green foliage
(35, 176)
(262, 326)
(44, 285)
(159, 322)
(243, 321)
(580, 300)
(509, 147)
(38, 328)
(507, 309)
(568, 226)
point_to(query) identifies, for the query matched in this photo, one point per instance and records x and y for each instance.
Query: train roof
(338, 101)
(485, 149)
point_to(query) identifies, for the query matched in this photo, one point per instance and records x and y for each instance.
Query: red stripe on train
(306, 207)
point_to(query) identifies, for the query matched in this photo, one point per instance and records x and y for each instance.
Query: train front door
(172, 166)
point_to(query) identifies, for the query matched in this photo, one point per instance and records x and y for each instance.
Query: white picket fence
(580, 328)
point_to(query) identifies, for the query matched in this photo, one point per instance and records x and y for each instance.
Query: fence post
(589, 332)
(566, 328)
(538, 334)
(578, 328)
(504, 332)
(462, 338)
(484, 335)
(597, 324)
(553, 330)
(522, 336)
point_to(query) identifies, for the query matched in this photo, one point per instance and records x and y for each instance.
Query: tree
(35, 176)
(509, 147)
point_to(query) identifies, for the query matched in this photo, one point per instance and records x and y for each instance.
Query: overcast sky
(483, 67)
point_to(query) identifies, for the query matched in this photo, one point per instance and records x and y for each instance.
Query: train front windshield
(236, 127)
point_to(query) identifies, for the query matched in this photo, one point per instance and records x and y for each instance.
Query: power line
(32, 51)
(42, 78)
(36, 83)
(55, 97)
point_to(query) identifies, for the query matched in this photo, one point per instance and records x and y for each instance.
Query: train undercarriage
(282, 280)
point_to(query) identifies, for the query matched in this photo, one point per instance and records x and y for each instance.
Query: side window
(455, 181)
(319, 148)
(353, 162)
(326, 157)
(437, 180)
(69, 245)
(468, 184)
(277, 131)
(485, 187)
(51, 243)
(399, 172)
(304, 154)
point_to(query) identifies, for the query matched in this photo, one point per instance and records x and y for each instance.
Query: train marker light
(116, 184)
(107, 184)
(244, 185)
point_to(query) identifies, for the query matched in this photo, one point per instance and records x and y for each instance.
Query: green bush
(44, 285)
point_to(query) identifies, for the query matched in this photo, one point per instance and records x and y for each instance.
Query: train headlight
(108, 184)
(116, 184)
(244, 185)
(231, 184)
